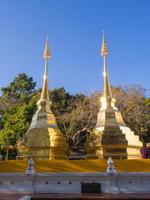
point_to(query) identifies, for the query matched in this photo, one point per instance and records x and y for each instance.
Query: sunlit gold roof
(96, 165)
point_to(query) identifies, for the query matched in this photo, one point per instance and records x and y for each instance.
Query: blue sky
(75, 29)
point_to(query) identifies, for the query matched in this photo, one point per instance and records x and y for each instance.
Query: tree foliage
(20, 89)
(18, 104)
(82, 115)
(133, 106)
(73, 112)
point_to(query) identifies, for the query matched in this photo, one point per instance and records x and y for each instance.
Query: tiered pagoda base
(111, 137)
(110, 142)
(114, 143)
(43, 143)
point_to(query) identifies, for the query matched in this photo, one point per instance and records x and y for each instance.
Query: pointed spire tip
(104, 50)
(47, 53)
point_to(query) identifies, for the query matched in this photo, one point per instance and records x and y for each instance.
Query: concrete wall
(11, 183)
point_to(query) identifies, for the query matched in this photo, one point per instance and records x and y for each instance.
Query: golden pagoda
(43, 139)
(111, 136)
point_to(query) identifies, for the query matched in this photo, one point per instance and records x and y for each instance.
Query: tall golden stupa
(43, 140)
(111, 136)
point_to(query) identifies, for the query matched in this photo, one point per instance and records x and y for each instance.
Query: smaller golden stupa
(43, 140)
(111, 136)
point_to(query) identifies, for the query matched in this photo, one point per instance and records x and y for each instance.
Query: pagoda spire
(44, 101)
(107, 96)
(106, 86)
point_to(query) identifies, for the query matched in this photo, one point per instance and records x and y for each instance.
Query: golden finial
(104, 50)
(44, 102)
(47, 53)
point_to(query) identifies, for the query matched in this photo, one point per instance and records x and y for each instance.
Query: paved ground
(78, 196)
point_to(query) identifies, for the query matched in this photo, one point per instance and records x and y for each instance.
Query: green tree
(18, 103)
(16, 121)
(19, 89)
(61, 101)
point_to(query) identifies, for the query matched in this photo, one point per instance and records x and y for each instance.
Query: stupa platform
(50, 166)
(75, 177)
